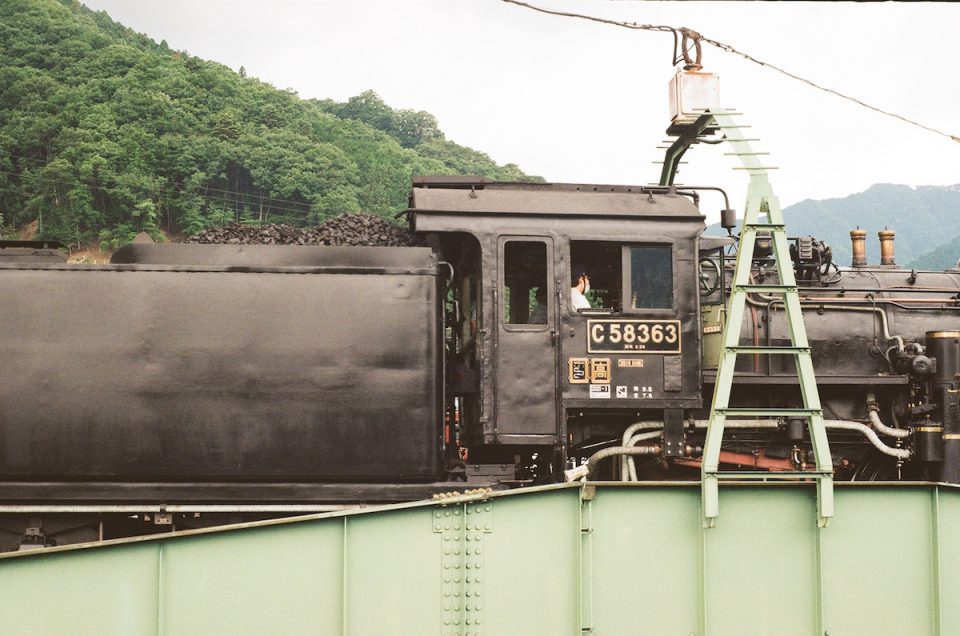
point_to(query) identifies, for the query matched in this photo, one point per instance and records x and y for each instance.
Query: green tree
(415, 127)
(105, 133)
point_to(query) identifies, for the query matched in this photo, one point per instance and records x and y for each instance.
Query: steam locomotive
(187, 385)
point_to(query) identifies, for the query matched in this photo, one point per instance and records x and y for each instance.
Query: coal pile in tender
(346, 229)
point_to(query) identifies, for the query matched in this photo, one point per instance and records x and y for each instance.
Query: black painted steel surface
(844, 323)
(523, 374)
(327, 370)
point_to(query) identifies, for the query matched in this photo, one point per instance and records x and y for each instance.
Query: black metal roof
(477, 195)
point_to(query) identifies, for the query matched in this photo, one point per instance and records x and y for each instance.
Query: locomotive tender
(208, 383)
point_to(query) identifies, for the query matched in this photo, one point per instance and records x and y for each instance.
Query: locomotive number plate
(633, 336)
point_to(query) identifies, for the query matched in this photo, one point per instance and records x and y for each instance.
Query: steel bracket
(462, 528)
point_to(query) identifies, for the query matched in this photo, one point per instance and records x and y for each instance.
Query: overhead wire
(41, 163)
(295, 214)
(728, 49)
(229, 196)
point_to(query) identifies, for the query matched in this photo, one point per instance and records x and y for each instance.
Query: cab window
(525, 295)
(651, 276)
(601, 261)
(623, 278)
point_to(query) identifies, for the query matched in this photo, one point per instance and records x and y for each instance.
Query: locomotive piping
(885, 325)
(874, 416)
(628, 434)
(870, 434)
(583, 471)
(631, 437)
(631, 465)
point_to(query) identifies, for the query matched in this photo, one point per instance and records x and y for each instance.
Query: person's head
(541, 295)
(581, 282)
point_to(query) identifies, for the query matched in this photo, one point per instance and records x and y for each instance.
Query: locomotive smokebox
(858, 243)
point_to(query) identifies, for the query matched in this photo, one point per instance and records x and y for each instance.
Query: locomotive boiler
(186, 385)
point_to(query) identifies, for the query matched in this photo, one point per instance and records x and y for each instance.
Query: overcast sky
(575, 101)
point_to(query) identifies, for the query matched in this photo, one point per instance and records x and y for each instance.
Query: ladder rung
(756, 168)
(767, 412)
(730, 127)
(765, 226)
(739, 475)
(760, 288)
(717, 111)
(731, 141)
(770, 350)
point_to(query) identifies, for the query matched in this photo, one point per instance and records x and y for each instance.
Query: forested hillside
(926, 220)
(940, 257)
(105, 133)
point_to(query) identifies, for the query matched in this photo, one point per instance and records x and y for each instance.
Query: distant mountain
(925, 218)
(941, 257)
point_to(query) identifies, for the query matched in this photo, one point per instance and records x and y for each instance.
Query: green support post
(762, 201)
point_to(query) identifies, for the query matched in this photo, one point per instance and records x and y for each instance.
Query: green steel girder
(569, 559)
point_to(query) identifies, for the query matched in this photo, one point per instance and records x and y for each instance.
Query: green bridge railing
(567, 559)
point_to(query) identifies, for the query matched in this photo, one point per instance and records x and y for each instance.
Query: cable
(298, 214)
(688, 33)
(42, 163)
(629, 25)
(730, 49)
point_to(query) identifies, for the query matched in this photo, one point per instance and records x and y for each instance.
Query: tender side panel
(193, 375)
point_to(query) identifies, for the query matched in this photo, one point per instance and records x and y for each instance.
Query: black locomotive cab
(573, 310)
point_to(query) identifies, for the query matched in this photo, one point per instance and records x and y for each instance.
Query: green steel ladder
(760, 201)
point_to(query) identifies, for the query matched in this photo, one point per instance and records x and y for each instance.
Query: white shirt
(578, 300)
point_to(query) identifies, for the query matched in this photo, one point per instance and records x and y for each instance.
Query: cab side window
(601, 262)
(624, 278)
(651, 277)
(525, 294)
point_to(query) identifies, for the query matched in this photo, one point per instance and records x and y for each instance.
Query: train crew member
(581, 285)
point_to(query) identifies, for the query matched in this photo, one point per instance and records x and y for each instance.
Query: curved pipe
(583, 471)
(630, 432)
(639, 426)
(631, 474)
(726, 199)
(899, 433)
(899, 453)
(884, 324)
